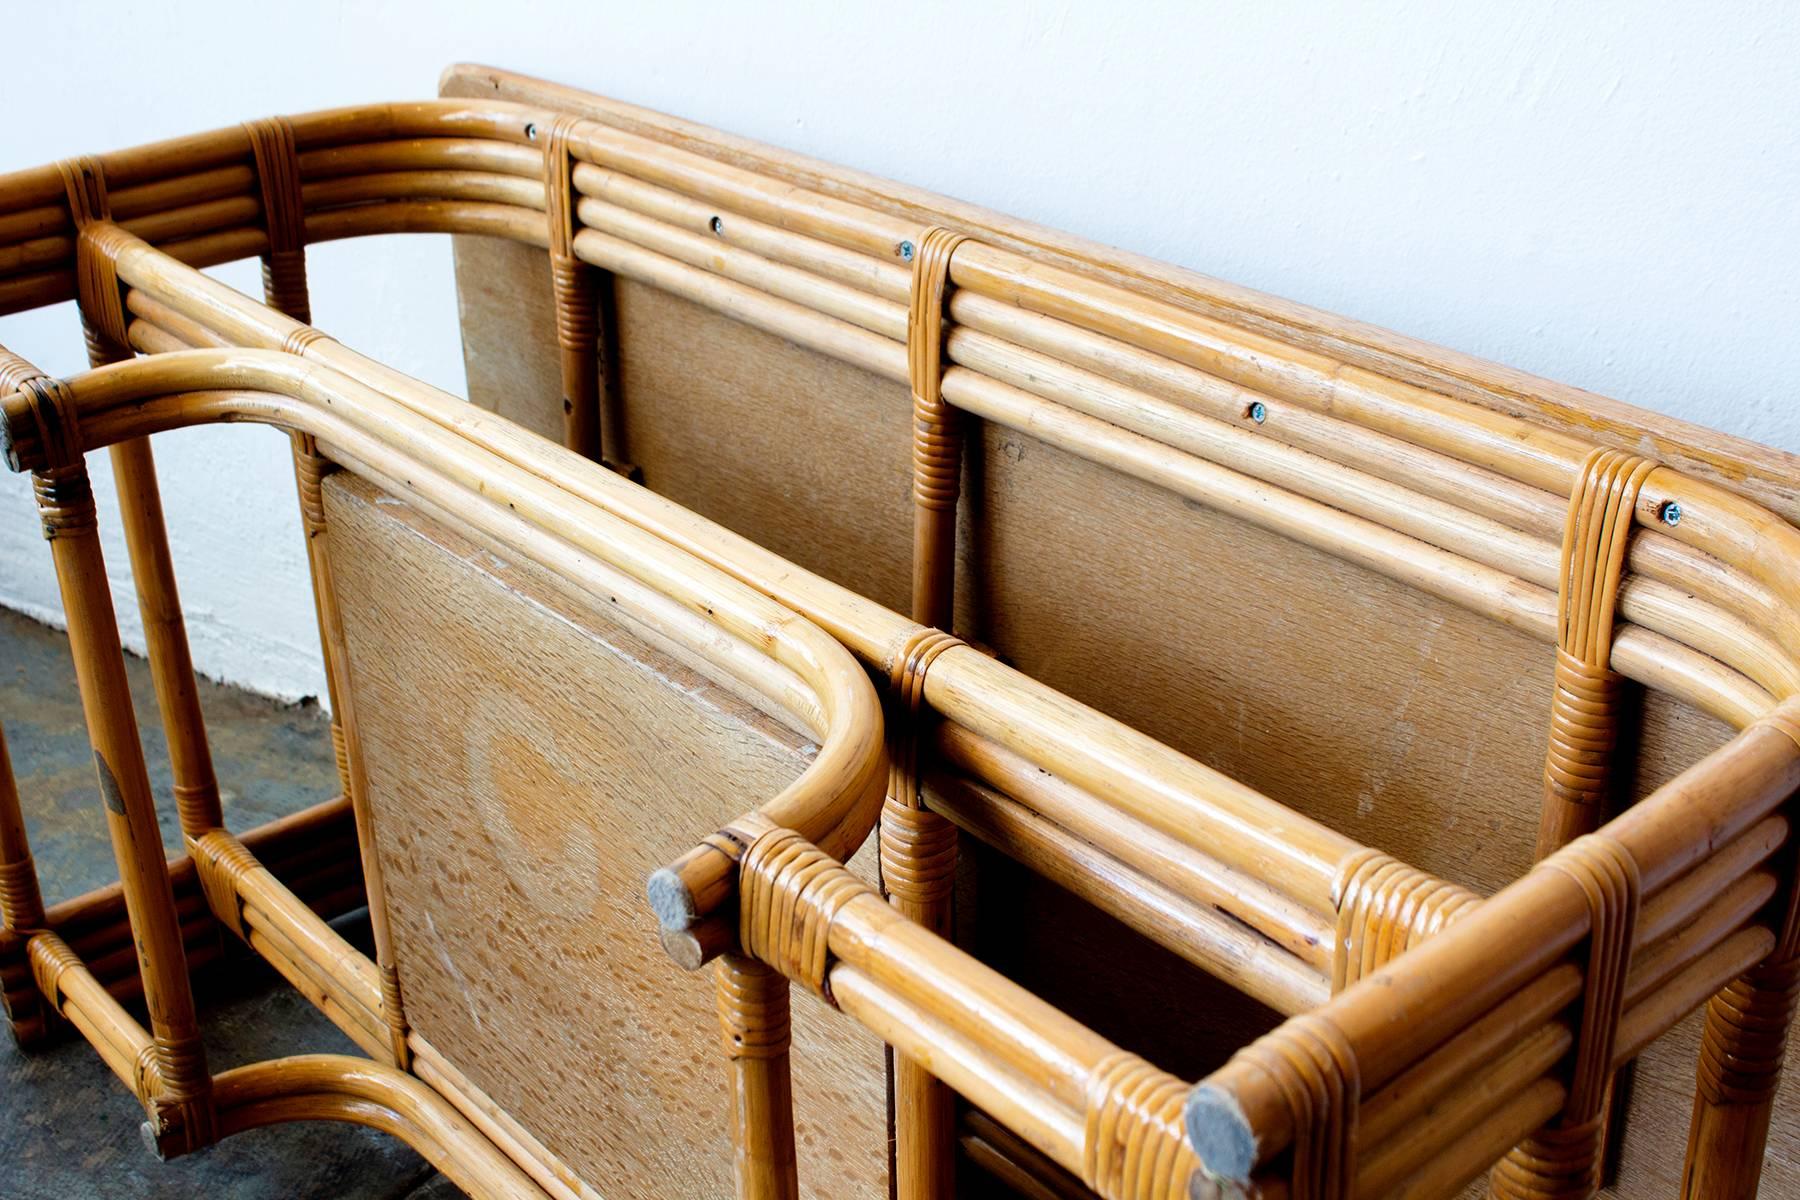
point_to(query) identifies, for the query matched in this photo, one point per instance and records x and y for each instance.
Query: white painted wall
(1602, 193)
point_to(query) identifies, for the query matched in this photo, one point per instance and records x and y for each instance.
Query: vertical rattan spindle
(1741, 1052)
(754, 1022)
(285, 289)
(1565, 1158)
(937, 434)
(918, 847)
(181, 1112)
(140, 507)
(21, 908)
(165, 633)
(576, 288)
(21, 900)
(311, 470)
(918, 874)
(1584, 707)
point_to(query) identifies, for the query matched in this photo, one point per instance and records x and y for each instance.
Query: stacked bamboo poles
(1089, 324)
(767, 1098)
(802, 670)
(1701, 861)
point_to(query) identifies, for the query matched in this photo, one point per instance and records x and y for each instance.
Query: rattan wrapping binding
(97, 283)
(284, 215)
(576, 288)
(790, 892)
(1564, 1160)
(937, 433)
(1584, 708)
(1384, 907)
(1135, 1149)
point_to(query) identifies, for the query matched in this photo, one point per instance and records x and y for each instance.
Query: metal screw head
(1259, 412)
(906, 251)
(1671, 513)
(717, 225)
(531, 132)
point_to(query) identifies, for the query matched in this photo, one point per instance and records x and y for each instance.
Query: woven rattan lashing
(918, 873)
(284, 216)
(576, 291)
(1584, 709)
(1565, 1159)
(937, 433)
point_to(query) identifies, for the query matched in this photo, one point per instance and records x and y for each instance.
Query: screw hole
(717, 224)
(905, 251)
(1257, 412)
(531, 131)
(1671, 513)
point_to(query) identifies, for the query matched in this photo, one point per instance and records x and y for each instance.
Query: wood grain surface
(529, 763)
(1405, 722)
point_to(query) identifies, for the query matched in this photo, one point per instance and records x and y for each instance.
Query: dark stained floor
(68, 1129)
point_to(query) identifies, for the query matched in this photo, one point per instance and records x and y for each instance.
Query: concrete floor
(68, 1129)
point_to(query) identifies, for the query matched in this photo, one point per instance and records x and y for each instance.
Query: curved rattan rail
(1454, 499)
(1477, 507)
(47, 426)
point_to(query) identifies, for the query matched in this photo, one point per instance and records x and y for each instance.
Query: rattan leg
(21, 913)
(1740, 1066)
(181, 1113)
(753, 1019)
(165, 633)
(575, 288)
(918, 869)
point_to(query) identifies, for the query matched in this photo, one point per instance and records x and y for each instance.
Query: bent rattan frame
(1029, 723)
(1456, 500)
(49, 426)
